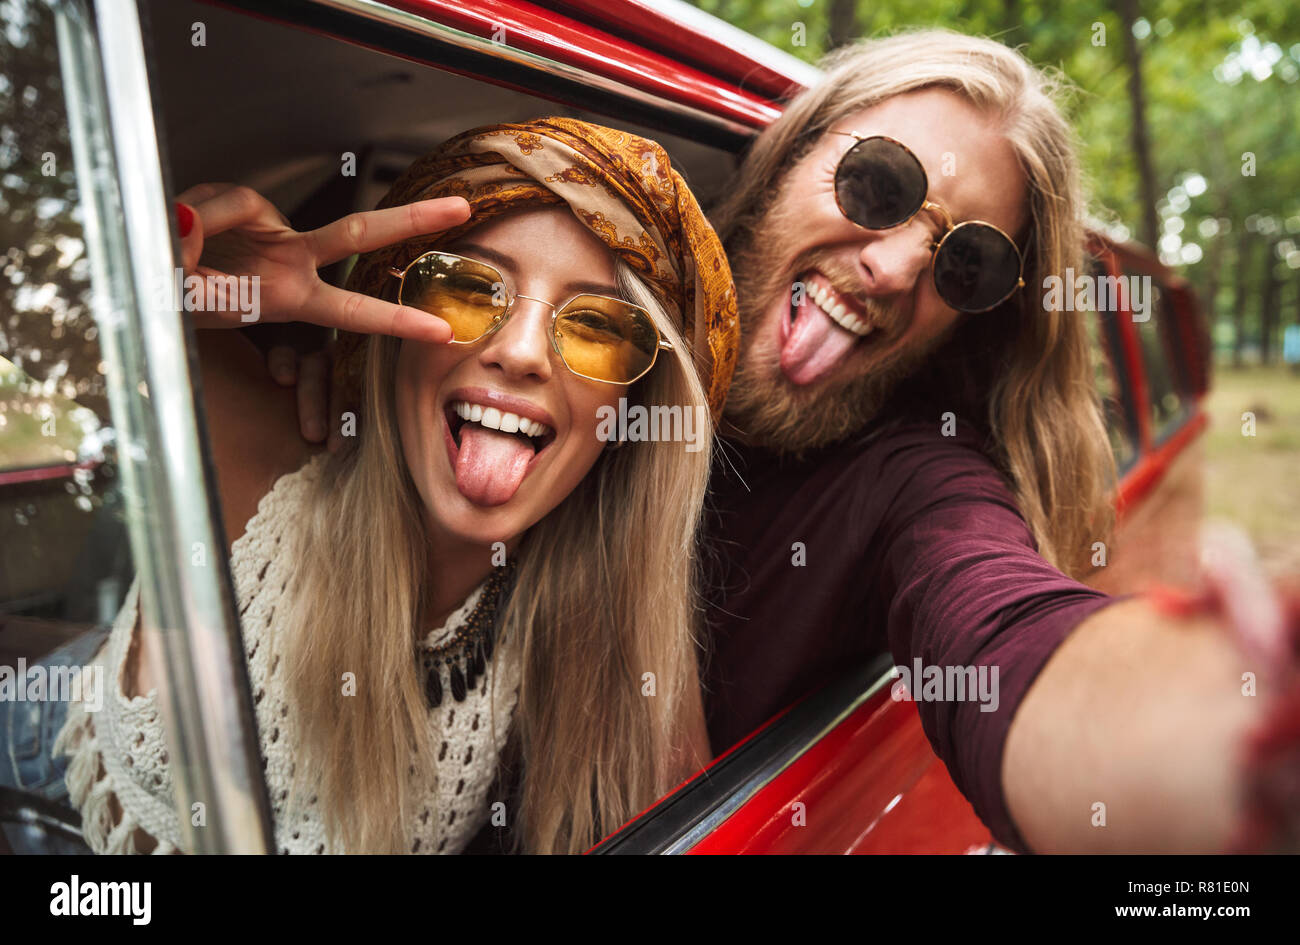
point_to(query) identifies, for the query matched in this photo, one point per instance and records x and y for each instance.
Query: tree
(1269, 316)
(1241, 301)
(48, 329)
(843, 27)
(1149, 231)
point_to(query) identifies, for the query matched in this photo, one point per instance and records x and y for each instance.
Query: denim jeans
(27, 762)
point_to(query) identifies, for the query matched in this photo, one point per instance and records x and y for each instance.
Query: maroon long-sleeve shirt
(911, 543)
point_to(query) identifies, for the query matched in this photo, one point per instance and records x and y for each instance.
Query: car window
(65, 559)
(1111, 380)
(1166, 401)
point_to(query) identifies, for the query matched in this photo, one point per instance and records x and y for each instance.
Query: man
(902, 473)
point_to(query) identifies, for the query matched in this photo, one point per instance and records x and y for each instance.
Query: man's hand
(317, 398)
(236, 231)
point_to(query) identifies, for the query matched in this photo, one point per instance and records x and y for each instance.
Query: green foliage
(47, 327)
(1204, 109)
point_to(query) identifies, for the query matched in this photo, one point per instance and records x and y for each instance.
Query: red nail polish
(185, 218)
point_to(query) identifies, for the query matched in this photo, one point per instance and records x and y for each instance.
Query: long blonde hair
(1034, 366)
(605, 593)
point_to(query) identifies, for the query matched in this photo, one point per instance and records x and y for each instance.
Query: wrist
(1267, 756)
(1270, 795)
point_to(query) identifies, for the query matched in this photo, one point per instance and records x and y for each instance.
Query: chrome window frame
(176, 536)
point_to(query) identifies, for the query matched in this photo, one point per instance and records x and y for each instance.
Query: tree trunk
(1213, 275)
(1295, 366)
(1013, 22)
(1268, 313)
(1239, 298)
(843, 15)
(1128, 14)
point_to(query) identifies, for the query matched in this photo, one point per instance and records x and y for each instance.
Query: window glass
(1166, 402)
(1107, 375)
(64, 558)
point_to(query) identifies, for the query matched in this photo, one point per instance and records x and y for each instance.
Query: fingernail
(185, 218)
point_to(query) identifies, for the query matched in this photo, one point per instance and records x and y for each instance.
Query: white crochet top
(121, 750)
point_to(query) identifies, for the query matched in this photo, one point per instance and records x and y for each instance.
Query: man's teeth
(836, 311)
(495, 419)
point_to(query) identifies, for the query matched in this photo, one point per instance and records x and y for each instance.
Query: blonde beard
(770, 411)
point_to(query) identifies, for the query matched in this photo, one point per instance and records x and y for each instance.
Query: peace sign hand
(235, 231)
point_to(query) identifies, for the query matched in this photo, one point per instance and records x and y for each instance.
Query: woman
(474, 575)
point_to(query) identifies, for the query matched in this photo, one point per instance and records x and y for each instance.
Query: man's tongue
(490, 464)
(814, 345)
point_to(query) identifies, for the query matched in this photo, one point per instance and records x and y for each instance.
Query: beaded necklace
(460, 661)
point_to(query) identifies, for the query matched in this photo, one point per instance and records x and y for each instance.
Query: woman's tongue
(814, 344)
(490, 464)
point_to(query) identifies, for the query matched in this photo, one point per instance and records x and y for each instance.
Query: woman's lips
(506, 403)
(489, 466)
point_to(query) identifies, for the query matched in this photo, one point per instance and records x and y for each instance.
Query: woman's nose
(521, 348)
(895, 259)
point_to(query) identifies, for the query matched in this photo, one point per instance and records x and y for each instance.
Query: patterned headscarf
(620, 186)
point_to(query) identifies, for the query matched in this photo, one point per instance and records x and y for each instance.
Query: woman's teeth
(495, 419)
(836, 311)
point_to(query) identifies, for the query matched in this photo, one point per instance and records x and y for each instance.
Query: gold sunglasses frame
(663, 344)
(928, 204)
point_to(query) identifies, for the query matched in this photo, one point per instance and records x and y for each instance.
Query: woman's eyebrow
(576, 287)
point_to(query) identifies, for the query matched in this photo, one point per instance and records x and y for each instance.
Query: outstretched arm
(1132, 737)
(1117, 725)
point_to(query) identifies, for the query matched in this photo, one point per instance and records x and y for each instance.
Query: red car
(275, 94)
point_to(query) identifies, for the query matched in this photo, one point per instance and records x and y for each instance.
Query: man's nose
(895, 259)
(521, 348)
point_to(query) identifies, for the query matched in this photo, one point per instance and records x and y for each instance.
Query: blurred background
(1188, 115)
